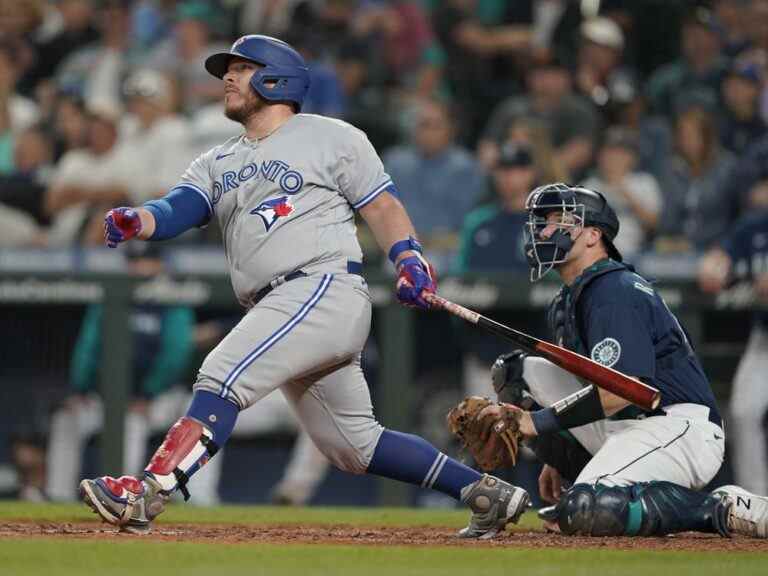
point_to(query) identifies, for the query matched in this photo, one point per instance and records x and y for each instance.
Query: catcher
(631, 472)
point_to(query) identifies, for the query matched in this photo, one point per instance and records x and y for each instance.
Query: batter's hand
(121, 224)
(414, 277)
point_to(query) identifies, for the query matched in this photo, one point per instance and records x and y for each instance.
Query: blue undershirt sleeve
(178, 211)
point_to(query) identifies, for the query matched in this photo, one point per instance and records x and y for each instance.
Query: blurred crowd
(660, 105)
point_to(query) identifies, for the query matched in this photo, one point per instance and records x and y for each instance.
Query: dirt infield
(373, 536)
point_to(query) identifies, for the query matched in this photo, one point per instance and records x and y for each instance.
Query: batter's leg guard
(188, 445)
(126, 502)
(494, 504)
(646, 509)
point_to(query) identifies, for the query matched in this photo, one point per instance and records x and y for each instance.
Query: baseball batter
(646, 471)
(743, 257)
(284, 194)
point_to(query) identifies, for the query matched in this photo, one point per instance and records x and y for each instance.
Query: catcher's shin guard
(188, 445)
(645, 509)
(494, 504)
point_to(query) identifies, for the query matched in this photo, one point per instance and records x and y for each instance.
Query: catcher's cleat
(126, 502)
(747, 513)
(494, 504)
(549, 516)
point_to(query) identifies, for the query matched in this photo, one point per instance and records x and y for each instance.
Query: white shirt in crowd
(644, 189)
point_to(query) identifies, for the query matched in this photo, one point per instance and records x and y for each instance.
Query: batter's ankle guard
(186, 448)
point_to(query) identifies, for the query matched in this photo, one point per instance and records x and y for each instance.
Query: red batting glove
(121, 224)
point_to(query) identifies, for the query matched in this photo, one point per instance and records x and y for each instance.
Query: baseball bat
(638, 393)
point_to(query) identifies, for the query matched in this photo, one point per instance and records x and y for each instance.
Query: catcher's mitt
(491, 439)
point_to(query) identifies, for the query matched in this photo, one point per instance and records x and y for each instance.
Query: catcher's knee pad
(594, 510)
(646, 509)
(188, 445)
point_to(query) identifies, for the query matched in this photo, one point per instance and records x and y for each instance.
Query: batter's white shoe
(126, 502)
(494, 504)
(747, 513)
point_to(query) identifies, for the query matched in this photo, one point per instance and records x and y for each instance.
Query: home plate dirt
(371, 535)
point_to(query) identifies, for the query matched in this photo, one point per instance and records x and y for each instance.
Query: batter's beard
(242, 113)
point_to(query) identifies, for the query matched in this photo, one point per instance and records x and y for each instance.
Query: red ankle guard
(187, 446)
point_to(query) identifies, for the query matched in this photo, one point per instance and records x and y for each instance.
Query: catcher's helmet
(580, 207)
(282, 65)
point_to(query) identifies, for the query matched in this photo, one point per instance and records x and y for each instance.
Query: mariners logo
(607, 352)
(272, 210)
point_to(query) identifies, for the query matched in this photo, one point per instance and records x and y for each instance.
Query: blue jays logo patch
(271, 210)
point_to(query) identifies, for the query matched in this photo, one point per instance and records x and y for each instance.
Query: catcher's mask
(577, 207)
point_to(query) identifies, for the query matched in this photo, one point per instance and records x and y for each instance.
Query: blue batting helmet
(282, 65)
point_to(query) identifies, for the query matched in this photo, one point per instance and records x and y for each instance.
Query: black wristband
(580, 408)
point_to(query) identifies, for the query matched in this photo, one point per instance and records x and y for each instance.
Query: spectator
(599, 60)
(405, 32)
(627, 108)
(273, 18)
(438, 180)
(157, 140)
(572, 123)
(17, 113)
(367, 106)
(733, 16)
(70, 125)
(183, 53)
(21, 192)
(699, 70)
(741, 124)
(751, 168)
(757, 16)
(83, 180)
(478, 71)
(77, 30)
(162, 346)
(492, 235)
(695, 202)
(634, 195)
(534, 133)
(325, 96)
(97, 70)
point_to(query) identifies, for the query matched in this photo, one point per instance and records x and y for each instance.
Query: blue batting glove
(415, 277)
(121, 224)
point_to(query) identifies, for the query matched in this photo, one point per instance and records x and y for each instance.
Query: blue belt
(352, 268)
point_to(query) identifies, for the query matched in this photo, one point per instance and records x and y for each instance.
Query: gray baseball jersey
(286, 202)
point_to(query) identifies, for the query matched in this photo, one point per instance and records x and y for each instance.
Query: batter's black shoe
(494, 504)
(126, 502)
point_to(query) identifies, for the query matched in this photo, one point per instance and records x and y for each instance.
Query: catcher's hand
(489, 431)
